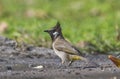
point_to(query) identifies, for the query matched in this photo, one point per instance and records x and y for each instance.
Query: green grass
(92, 21)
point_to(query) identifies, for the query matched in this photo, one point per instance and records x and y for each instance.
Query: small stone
(115, 77)
(9, 68)
(77, 73)
(38, 67)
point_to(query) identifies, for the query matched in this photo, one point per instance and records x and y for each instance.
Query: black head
(55, 31)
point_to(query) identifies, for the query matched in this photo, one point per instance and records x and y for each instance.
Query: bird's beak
(46, 30)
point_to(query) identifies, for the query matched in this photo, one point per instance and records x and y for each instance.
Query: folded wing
(63, 45)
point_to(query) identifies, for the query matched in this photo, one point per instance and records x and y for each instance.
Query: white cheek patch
(55, 33)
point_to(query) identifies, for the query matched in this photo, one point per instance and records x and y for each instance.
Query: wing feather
(63, 45)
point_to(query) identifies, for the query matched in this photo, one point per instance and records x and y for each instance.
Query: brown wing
(63, 45)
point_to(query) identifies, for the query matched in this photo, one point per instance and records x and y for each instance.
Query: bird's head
(55, 32)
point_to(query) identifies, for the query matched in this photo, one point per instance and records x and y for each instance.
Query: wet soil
(30, 62)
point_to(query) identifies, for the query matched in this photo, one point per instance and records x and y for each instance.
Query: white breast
(61, 54)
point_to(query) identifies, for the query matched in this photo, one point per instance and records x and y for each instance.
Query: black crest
(55, 32)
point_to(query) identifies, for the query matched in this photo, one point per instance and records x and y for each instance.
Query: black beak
(46, 30)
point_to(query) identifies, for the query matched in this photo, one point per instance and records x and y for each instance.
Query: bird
(63, 49)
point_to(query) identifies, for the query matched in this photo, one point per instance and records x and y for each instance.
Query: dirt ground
(29, 62)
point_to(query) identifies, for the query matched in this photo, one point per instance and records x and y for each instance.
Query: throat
(57, 37)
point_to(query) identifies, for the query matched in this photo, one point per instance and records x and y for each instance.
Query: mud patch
(41, 63)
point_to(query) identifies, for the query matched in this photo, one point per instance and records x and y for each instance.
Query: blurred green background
(92, 25)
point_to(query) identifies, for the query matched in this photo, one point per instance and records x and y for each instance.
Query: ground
(30, 62)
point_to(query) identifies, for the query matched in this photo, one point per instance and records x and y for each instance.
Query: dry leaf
(115, 60)
(3, 26)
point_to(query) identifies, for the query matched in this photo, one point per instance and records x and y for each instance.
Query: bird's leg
(70, 62)
(61, 64)
(66, 64)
